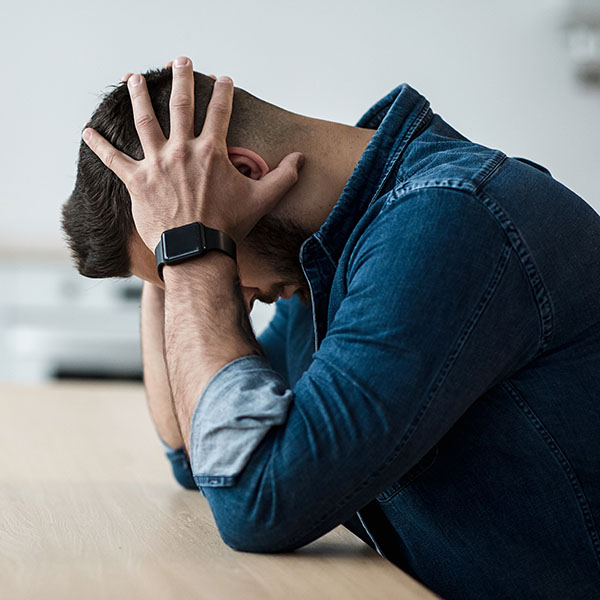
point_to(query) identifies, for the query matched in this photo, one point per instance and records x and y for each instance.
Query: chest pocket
(409, 478)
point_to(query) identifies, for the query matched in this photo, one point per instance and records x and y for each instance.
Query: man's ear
(247, 162)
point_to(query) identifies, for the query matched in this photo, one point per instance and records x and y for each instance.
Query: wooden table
(89, 509)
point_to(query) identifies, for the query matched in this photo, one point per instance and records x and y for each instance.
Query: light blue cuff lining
(241, 402)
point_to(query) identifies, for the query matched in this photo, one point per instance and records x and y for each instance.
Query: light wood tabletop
(89, 509)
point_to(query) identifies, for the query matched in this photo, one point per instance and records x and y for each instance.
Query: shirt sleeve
(438, 309)
(273, 339)
(240, 403)
(182, 471)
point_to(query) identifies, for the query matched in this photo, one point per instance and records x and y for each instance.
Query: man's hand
(184, 179)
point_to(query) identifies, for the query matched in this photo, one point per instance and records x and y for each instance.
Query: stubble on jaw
(277, 242)
(274, 241)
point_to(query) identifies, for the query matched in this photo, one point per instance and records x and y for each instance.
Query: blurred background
(520, 76)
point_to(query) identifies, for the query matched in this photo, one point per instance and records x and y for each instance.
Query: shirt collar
(396, 118)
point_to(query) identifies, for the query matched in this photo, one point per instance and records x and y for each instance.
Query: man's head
(97, 217)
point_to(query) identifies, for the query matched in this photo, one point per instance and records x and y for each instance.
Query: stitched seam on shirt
(513, 235)
(439, 380)
(563, 461)
(489, 168)
(410, 477)
(393, 163)
(540, 292)
(318, 238)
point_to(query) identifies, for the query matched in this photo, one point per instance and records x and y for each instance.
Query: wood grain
(89, 509)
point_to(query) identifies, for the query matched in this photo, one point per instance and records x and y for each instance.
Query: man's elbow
(246, 529)
(254, 539)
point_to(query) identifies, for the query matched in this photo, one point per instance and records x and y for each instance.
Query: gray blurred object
(582, 25)
(56, 324)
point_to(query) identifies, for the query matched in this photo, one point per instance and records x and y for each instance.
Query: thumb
(276, 183)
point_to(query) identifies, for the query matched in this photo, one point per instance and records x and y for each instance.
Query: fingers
(218, 113)
(148, 128)
(126, 77)
(169, 65)
(120, 164)
(181, 104)
(275, 184)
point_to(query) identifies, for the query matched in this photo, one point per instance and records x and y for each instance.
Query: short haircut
(97, 218)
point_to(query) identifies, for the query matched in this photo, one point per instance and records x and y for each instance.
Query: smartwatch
(190, 241)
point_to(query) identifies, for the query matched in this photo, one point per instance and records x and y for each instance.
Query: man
(431, 376)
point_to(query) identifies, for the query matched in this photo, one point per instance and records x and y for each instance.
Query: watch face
(183, 241)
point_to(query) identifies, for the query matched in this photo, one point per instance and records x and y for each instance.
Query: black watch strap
(183, 243)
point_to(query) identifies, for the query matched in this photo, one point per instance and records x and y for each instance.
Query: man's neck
(331, 151)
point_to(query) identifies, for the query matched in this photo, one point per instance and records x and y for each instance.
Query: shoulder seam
(511, 233)
(540, 292)
(489, 168)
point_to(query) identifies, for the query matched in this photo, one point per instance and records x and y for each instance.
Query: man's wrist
(183, 243)
(206, 327)
(212, 265)
(208, 288)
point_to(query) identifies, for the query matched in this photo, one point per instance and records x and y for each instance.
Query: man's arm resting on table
(158, 391)
(194, 177)
(156, 382)
(206, 328)
(422, 333)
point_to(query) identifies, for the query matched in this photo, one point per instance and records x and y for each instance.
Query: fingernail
(300, 161)
(87, 134)
(135, 80)
(224, 79)
(182, 61)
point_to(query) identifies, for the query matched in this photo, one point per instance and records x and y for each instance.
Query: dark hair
(97, 217)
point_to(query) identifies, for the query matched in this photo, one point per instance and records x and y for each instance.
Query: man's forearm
(206, 327)
(156, 381)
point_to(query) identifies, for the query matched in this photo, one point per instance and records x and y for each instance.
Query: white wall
(497, 71)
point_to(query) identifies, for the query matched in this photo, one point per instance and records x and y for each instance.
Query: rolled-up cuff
(180, 465)
(241, 402)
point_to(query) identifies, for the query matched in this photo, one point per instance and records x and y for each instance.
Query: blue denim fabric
(446, 383)
(180, 465)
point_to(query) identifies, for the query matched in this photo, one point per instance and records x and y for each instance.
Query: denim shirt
(441, 396)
